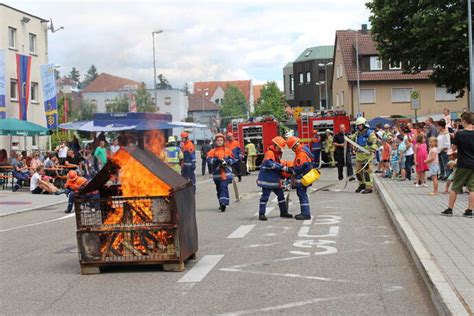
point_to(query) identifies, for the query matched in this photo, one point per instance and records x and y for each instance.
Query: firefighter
(365, 138)
(189, 160)
(302, 164)
(270, 178)
(330, 148)
(172, 155)
(251, 154)
(234, 147)
(221, 160)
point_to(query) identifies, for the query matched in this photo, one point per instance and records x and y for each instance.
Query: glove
(223, 163)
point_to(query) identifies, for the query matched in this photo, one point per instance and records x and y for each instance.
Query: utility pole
(471, 57)
(154, 65)
(358, 77)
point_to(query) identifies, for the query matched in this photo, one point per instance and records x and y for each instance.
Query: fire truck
(260, 132)
(312, 128)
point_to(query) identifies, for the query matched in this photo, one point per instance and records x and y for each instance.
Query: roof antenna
(51, 27)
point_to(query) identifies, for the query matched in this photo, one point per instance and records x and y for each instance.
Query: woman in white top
(38, 185)
(444, 143)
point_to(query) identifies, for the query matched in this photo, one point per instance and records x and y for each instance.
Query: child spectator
(421, 154)
(394, 162)
(452, 167)
(385, 155)
(401, 156)
(433, 163)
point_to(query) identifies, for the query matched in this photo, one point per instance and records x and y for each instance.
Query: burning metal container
(136, 210)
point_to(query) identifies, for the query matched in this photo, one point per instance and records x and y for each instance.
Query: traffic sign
(415, 100)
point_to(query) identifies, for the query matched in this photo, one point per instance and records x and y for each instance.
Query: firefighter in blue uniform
(189, 161)
(221, 160)
(270, 178)
(302, 164)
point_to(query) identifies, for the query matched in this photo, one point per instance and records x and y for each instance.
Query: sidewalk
(442, 247)
(24, 201)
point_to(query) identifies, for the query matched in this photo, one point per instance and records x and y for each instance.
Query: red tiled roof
(257, 89)
(242, 85)
(346, 42)
(200, 103)
(106, 82)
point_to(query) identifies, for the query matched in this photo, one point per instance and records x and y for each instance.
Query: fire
(155, 142)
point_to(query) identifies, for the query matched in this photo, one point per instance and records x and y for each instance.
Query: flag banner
(3, 85)
(23, 65)
(49, 94)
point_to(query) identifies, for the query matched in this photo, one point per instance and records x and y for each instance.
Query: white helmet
(361, 121)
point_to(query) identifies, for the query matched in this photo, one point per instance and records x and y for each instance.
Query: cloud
(202, 40)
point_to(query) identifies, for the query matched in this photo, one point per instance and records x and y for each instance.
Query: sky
(201, 40)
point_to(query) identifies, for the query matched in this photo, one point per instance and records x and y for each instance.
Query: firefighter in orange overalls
(234, 147)
(302, 164)
(221, 160)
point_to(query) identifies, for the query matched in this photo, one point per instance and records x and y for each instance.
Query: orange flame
(155, 142)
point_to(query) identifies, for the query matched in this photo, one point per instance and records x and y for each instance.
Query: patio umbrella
(15, 127)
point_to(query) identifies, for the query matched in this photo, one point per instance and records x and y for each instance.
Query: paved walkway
(24, 201)
(442, 245)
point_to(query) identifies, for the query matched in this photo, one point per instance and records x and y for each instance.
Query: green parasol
(15, 127)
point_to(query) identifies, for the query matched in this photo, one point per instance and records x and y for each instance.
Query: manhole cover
(14, 203)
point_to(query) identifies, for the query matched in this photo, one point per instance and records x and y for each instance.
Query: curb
(31, 208)
(441, 292)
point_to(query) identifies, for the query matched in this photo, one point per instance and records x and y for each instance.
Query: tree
(163, 83)
(85, 112)
(234, 105)
(120, 104)
(90, 76)
(75, 75)
(420, 34)
(271, 101)
(144, 100)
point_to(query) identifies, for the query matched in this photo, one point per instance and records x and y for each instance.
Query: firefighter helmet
(361, 121)
(292, 141)
(171, 139)
(279, 141)
(72, 175)
(229, 134)
(184, 134)
(219, 135)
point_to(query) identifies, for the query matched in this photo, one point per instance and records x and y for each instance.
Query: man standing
(189, 160)
(463, 142)
(270, 178)
(115, 146)
(366, 139)
(339, 154)
(100, 154)
(220, 157)
(74, 161)
(172, 155)
(62, 150)
(234, 147)
(431, 130)
(251, 153)
(206, 147)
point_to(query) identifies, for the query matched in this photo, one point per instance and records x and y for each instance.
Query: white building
(24, 34)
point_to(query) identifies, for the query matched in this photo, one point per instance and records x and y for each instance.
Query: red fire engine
(312, 129)
(260, 132)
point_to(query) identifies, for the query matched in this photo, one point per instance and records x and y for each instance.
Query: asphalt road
(347, 260)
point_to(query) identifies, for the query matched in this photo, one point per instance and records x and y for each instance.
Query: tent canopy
(142, 125)
(16, 127)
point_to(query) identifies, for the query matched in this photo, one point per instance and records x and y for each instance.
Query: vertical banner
(49, 95)
(23, 65)
(3, 85)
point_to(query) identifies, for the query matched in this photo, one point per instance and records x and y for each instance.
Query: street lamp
(326, 78)
(154, 64)
(319, 84)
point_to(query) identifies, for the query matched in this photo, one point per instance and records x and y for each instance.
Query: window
(338, 102)
(308, 52)
(11, 37)
(401, 94)
(443, 95)
(32, 43)
(34, 92)
(342, 98)
(338, 71)
(395, 65)
(301, 77)
(367, 96)
(375, 63)
(13, 90)
(308, 77)
(292, 84)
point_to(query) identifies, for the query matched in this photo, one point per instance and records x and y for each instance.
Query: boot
(222, 207)
(262, 217)
(467, 213)
(240, 178)
(286, 215)
(360, 188)
(367, 191)
(301, 217)
(447, 212)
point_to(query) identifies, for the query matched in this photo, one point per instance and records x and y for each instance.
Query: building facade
(289, 84)
(384, 89)
(214, 91)
(25, 35)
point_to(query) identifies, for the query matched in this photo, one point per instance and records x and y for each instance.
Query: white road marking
(333, 232)
(241, 231)
(263, 262)
(308, 221)
(286, 275)
(39, 223)
(262, 245)
(268, 211)
(201, 269)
